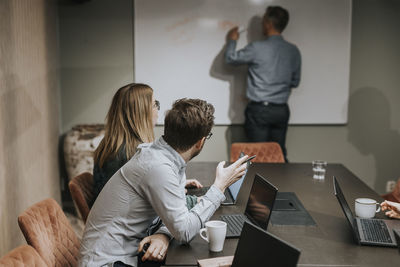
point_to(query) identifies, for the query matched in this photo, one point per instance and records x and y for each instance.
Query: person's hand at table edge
(158, 246)
(391, 210)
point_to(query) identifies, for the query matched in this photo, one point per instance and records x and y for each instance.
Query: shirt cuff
(215, 195)
(164, 230)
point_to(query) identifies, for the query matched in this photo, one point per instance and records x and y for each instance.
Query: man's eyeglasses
(209, 135)
(156, 104)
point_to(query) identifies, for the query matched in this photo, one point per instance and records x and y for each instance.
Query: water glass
(319, 169)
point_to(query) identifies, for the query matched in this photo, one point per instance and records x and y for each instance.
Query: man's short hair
(187, 122)
(278, 16)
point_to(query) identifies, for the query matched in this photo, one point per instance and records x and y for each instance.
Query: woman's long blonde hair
(128, 122)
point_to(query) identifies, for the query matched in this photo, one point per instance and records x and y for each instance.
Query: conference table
(328, 243)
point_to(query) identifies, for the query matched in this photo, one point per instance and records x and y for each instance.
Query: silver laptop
(258, 209)
(372, 232)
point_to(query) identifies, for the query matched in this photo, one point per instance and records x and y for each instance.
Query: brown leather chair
(22, 256)
(47, 229)
(269, 152)
(395, 194)
(81, 188)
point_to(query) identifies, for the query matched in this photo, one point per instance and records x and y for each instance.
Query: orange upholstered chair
(22, 256)
(47, 229)
(270, 152)
(395, 194)
(81, 188)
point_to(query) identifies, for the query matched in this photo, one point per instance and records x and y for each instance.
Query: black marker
(249, 158)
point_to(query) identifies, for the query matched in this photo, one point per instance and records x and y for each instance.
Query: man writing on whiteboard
(274, 67)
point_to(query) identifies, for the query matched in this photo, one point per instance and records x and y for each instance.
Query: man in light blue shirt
(150, 187)
(274, 67)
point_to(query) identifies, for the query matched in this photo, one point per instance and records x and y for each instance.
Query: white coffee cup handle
(379, 207)
(202, 230)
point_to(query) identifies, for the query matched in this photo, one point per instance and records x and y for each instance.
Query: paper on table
(216, 262)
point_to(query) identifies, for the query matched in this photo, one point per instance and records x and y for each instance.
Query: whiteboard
(179, 52)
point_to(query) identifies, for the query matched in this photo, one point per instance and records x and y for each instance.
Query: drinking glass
(319, 169)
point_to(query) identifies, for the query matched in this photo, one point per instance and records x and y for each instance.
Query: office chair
(267, 152)
(46, 228)
(21, 256)
(81, 188)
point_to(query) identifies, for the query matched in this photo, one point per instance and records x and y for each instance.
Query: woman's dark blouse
(111, 166)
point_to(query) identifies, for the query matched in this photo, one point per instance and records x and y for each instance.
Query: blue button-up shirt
(274, 68)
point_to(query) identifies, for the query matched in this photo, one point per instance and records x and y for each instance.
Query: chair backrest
(269, 152)
(22, 256)
(47, 229)
(395, 194)
(81, 188)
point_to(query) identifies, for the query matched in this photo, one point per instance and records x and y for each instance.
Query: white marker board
(179, 47)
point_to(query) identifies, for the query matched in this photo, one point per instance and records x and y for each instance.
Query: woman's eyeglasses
(156, 104)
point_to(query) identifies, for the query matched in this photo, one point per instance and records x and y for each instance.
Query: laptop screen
(253, 245)
(343, 203)
(397, 236)
(235, 187)
(261, 201)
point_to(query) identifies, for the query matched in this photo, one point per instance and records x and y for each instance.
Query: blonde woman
(130, 121)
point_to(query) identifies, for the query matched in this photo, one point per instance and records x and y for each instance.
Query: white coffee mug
(366, 207)
(215, 235)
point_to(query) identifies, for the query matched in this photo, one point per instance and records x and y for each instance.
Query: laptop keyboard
(235, 224)
(375, 231)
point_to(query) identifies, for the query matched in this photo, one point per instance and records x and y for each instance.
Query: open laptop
(373, 232)
(231, 193)
(257, 247)
(258, 209)
(397, 236)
